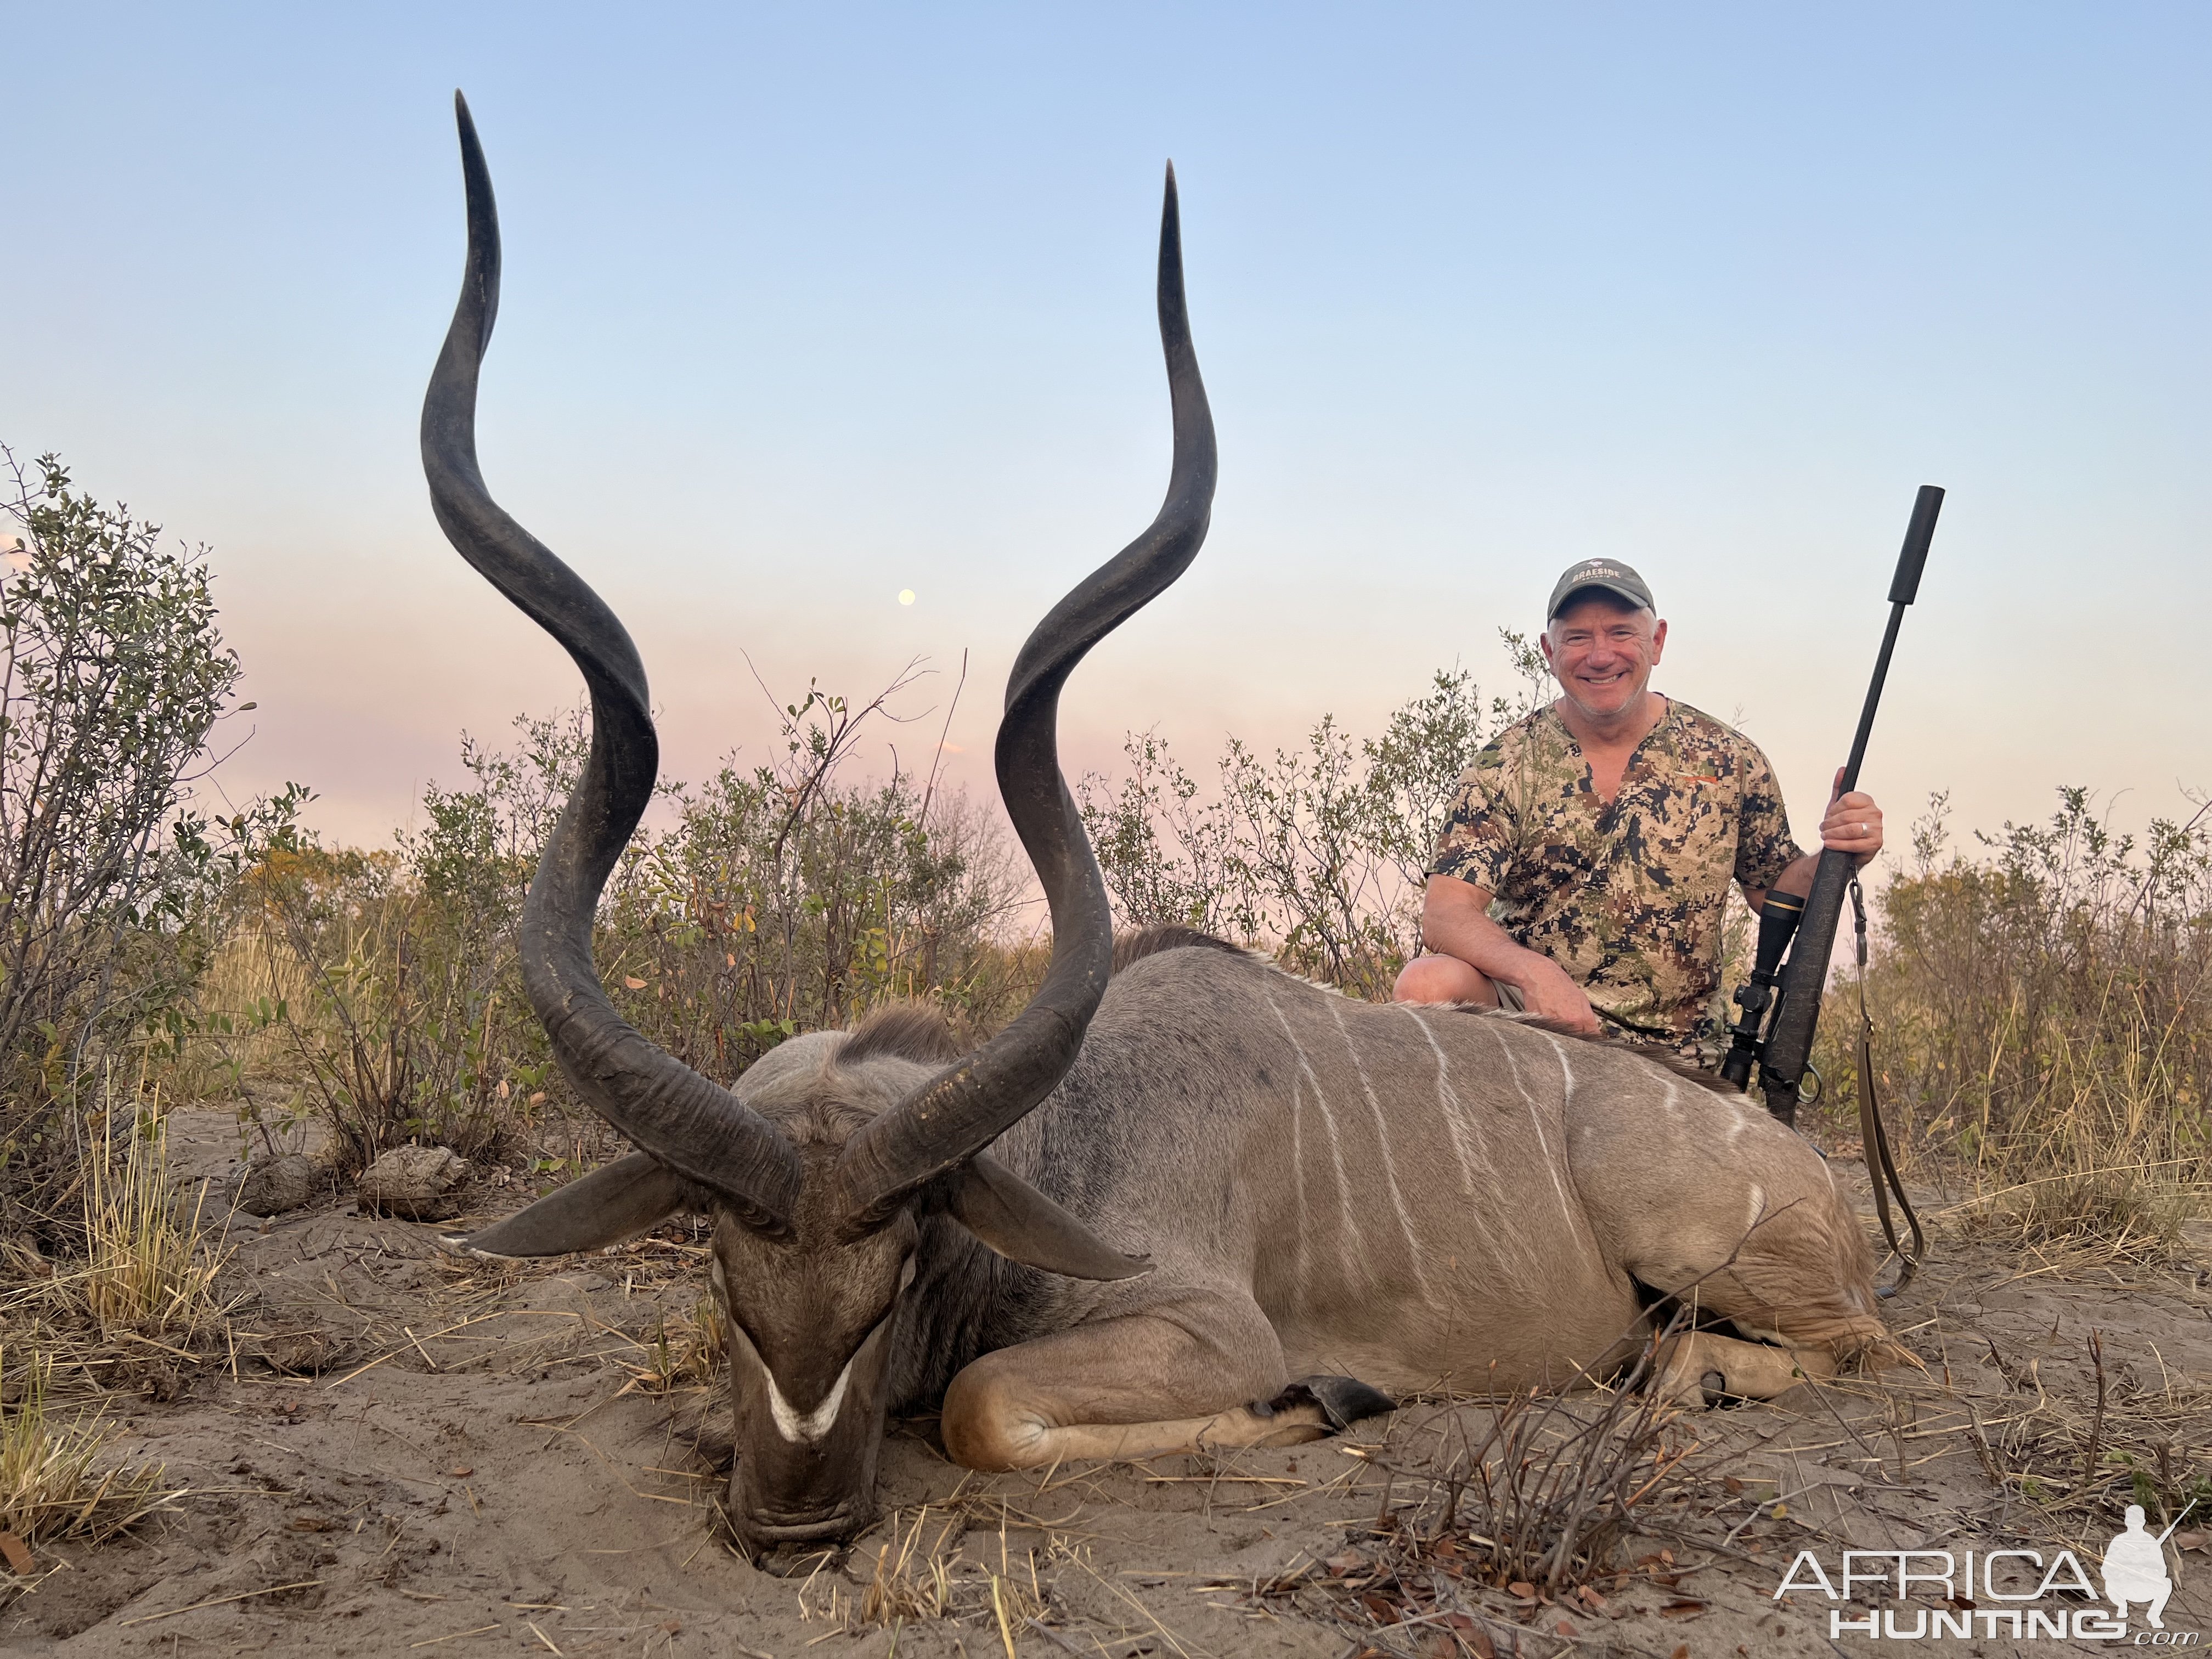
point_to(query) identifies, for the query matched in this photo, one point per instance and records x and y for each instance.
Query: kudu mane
(917, 1032)
(904, 1030)
(920, 1033)
(826, 1108)
(1688, 1070)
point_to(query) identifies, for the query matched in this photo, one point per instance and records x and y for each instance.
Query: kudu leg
(1699, 1364)
(1141, 1386)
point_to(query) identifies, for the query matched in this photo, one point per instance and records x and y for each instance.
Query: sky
(808, 307)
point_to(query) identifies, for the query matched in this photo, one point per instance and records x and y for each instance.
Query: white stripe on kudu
(1328, 1121)
(1461, 1121)
(1448, 1101)
(1383, 1146)
(1535, 1117)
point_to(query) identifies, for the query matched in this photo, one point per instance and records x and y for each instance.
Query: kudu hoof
(1341, 1400)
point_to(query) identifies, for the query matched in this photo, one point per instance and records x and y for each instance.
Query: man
(1584, 871)
(2135, 1570)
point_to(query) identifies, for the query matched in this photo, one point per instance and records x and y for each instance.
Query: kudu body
(1411, 1196)
(1328, 1191)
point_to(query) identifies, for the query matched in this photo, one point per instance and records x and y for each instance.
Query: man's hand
(1455, 923)
(1548, 990)
(1852, 823)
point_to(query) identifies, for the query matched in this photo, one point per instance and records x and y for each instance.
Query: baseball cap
(1610, 574)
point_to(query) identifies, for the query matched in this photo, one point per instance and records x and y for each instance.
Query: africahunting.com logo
(2024, 1595)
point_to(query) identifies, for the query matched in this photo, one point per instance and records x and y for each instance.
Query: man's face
(1603, 654)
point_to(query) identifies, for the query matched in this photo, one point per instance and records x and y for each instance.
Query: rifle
(1784, 998)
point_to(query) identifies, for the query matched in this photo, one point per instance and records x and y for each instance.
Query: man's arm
(1851, 825)
(1455, 922)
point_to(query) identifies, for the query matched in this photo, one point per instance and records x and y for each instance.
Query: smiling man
(1583, 873)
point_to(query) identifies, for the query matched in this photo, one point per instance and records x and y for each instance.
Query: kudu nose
(766, 1529)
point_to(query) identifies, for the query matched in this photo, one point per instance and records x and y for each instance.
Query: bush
(774, 900)
(112, 675)
(403, 1035)
(748, 922)
(2044, 1005)
(1319, 853)
(2041, 1000)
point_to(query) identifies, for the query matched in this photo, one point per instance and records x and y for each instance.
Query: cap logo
(1601, 573)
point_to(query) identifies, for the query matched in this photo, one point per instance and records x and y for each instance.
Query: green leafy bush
(112, 675)
(770, 900)
(1318, 854)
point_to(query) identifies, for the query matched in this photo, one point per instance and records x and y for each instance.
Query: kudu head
(820, 1169)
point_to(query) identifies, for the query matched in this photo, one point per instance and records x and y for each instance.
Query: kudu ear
(1024, 1225)
(614, 1202)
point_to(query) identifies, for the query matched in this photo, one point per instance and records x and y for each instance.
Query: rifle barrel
(1904, 588)
(1873, 701)
(2177, 1520)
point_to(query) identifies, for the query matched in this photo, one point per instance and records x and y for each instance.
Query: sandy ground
(473, 1467)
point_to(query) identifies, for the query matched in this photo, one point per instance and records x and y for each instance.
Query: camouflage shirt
(1627, 897)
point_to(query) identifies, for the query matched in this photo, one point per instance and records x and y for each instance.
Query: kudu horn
(949, 1120)
(693, 1126)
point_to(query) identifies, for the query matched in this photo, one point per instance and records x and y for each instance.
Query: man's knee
(1443, 979)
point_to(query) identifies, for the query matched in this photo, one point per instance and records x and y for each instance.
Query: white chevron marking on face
(805, 1430)
(802, 1428)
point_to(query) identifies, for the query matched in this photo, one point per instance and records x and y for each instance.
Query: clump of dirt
(279, 1185)
(420, 1183)
(407, 1452)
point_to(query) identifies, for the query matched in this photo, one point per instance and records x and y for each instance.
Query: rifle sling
(1881, 1168)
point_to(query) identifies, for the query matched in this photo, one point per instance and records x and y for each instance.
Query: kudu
(1328, 1190)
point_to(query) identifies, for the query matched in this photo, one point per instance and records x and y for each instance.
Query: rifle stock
(1790, 1038)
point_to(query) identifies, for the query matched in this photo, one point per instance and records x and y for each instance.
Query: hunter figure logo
(2135, 1570)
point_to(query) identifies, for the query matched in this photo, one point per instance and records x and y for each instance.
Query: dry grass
(2043, 1011)
(2135, 1438)
(1523, 1518)
(909, 1582)
(1546, 1495)
(683, 1353)
(249, 989)
(2116, 1213)
(1537, 1504)
(143, 1302)
(149, 1268)
(51, 1485)
(925, 1569)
